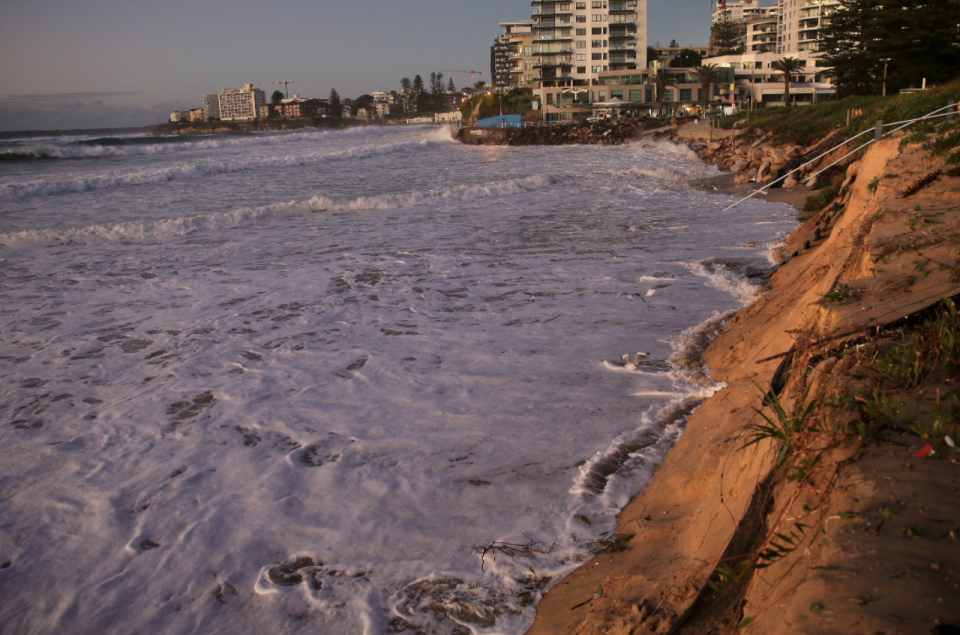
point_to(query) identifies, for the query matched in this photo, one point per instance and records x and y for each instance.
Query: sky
(68, 64)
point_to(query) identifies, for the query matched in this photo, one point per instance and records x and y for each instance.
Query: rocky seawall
(797, 500)
(595, 133)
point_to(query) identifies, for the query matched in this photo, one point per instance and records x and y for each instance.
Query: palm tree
(787, 66)
(707, 74)
(663, 81)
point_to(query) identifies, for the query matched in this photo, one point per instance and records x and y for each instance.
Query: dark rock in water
(289, 573)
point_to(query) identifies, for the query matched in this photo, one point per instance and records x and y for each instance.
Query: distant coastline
(89, 132)
(227, 127)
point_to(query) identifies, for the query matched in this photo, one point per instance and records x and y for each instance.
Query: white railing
(878, 134)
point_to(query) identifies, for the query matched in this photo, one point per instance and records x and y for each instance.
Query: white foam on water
(393, 415)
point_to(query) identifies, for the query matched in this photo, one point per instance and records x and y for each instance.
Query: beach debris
(949, 440)
(632, 363)
(925, 452)
(530, 548)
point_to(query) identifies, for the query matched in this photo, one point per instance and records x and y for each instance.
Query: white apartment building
(241, 105)
(758, 83)
(743, 10)
(577, 41)
(800, 22)
(513, 56)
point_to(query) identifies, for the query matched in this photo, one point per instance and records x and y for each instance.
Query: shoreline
(720, 505)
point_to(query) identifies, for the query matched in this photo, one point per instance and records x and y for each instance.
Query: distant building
(211, 106)
(383, 108)
(577, 42)
(758, 83)
(638, 94)
(241, 105)
(507, 52)
(743, 10)
(666, 54)
(799, 24)
(448, 117)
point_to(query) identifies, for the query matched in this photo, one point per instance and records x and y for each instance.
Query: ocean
(362, 381)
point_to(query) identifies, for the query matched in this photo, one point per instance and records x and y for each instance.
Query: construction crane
(283, 81)
(472, 73)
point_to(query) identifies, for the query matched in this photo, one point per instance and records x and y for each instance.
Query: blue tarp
(502, 121)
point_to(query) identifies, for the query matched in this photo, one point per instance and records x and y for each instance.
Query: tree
(407, 101)
(787, 66)
(419, 95)
(674, 44)
(334, 108)
(728, 35)
(363, 101)
(480, 84)
(917, 38)
(451, 88)
(652, 55)
(276, 97)
(708, 75)
(686, 58)
(663, 80)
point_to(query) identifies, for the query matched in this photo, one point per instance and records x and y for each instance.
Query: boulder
(790, 182)
(741, 178)
(764, 170)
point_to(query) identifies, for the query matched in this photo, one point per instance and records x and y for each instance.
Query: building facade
(577, 41)
(799, 24)
(639, 93)
(519, 70)
(743, 10)
(241, 105)
(757, 83)
(211, 106)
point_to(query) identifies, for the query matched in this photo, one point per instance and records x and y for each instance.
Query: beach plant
(816, 203)
(726, 576)
(781, 426)
(843, 293)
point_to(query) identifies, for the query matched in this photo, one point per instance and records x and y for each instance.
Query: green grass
(807, 124)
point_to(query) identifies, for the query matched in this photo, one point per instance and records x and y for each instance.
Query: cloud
(74, 111)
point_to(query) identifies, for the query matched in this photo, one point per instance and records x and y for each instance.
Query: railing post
(879, 132)
(950, 105)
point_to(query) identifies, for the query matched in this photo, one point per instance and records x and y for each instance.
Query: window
(597, 44)
(602, 95)
(669, 95)
(597, 56)
(599, 4)
(581, 32)
(597, 30)
(581, 57)
(604, 30)
(616, 93)
(581, 18)
(582, 69)
(581, 6)
(598, 17)
(550, 98)
(597, 69)
(564, 19)
(636, 95)
(700, 95)
(565, 6)
(649, 95)
(686, 94)
(581, 44)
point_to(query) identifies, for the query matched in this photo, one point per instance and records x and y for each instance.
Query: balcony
(553, 36)
(621, 7)
(623, 20)
(554, 61)
(551, 11)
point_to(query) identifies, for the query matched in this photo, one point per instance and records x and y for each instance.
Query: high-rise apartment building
(577, 41)
(743, 10)
(800, 22)
(513, 56)
(211, 106)
(241, 105)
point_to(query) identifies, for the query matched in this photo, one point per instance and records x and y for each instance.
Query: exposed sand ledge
(713, 501)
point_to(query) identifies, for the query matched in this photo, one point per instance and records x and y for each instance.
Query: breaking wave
(173, 227)
(210, 167)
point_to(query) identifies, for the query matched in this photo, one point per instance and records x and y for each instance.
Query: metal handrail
(905, 123)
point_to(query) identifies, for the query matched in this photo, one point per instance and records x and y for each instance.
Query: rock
(714, 145)
(811, 182)
(743, 123)
(852, 173)
(742, 178)
(790, 182)
(764, 170)
(738, 167)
